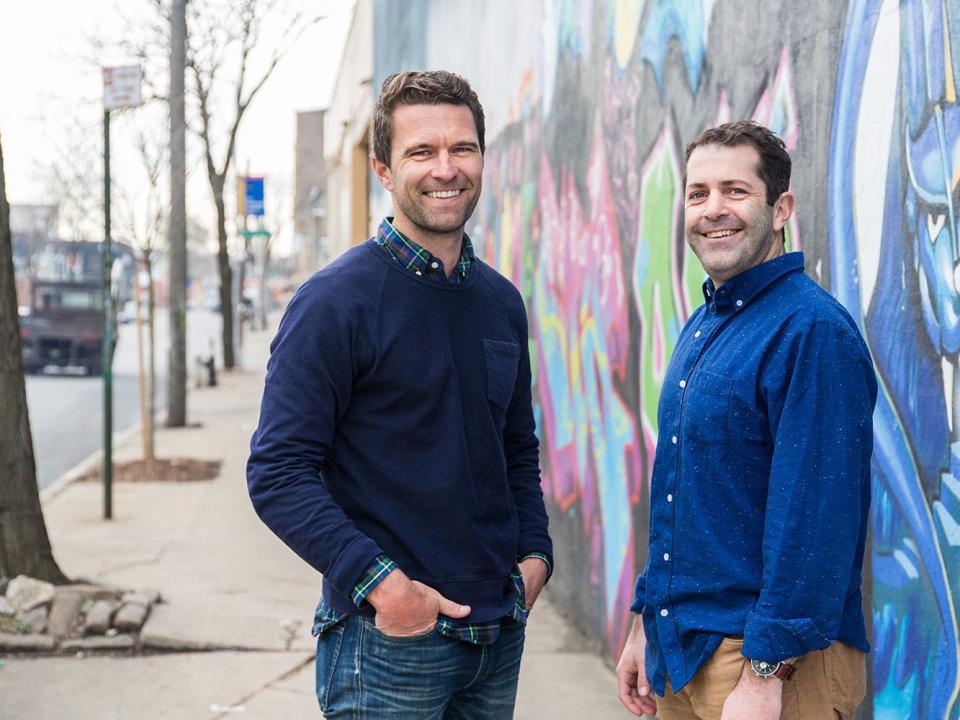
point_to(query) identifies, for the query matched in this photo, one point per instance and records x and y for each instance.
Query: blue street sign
(253, 196)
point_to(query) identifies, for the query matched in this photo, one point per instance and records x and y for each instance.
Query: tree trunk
(24, 544)
(226, 279)
(152, 359)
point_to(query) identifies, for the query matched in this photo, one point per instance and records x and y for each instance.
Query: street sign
(253, 196)
(121, 87)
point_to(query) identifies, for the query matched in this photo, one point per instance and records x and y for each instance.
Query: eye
(737, 191)
(696, 195)
(935, 224)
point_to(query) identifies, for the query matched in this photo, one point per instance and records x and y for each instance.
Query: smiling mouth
(719, 234)
(443, 194)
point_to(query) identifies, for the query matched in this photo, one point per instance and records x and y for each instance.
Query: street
(66, 407)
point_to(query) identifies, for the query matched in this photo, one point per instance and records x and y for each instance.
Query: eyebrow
(427, 146)
(723, 183)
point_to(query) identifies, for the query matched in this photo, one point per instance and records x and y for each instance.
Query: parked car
(63, 326)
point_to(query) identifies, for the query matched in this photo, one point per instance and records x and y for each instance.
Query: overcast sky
(48, 81)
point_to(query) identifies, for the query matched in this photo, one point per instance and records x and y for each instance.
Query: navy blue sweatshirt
(397, 419)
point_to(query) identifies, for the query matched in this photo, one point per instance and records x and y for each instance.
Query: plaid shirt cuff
(375, 574)
(543, 557)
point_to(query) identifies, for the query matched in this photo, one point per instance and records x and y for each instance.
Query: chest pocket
(707, 406)
(502, 359)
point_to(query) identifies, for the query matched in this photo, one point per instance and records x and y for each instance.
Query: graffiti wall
(589, 106)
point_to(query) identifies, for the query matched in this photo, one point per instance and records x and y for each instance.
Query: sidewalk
(232, 637)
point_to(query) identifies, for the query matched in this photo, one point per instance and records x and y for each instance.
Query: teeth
(443, 193)
(720, 233)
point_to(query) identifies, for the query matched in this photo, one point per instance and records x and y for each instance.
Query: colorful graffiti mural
(582, 210)
(893, 248)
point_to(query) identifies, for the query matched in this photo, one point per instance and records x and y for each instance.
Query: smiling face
(728, 223)
(435, 171)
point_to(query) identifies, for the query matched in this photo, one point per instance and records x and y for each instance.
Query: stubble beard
(752, 249)
(429, 222)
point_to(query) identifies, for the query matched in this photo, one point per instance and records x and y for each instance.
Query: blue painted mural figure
(895, 264)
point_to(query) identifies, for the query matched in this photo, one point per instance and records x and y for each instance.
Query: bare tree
(24, 544)
(221, 40)
(144, 221)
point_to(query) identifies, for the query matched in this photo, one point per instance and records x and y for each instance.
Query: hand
(407, 607)
(534, 573)
(632, 685)
(754, 698)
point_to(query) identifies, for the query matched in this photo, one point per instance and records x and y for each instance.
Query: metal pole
(107, 345)
(177, 373)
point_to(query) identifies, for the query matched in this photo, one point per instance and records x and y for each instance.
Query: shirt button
(674, 439)
(664, 612)
(697, 334)
(669, 497)
(683, 383)
(435, 265)
(739, 303)
(666, 557)
(419, 273)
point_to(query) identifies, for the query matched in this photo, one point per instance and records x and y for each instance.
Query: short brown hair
(774, 167)
(420, 87)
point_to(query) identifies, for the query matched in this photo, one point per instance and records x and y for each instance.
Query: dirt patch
(159, 470)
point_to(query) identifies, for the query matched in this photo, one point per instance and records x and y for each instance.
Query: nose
(443, 168)
(714, 207)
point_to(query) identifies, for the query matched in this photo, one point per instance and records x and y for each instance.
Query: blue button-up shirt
(761, 483)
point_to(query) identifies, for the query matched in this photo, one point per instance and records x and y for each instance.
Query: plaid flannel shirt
(419, 260)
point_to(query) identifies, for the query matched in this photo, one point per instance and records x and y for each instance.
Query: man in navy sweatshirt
(396, 451)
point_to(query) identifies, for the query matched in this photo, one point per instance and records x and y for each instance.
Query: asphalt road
(66, 407)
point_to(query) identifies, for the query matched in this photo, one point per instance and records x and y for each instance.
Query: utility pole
(106, 362)
(177, 371)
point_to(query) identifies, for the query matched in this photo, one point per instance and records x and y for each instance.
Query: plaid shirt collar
(419, 260)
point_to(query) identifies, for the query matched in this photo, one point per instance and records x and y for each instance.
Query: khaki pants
(828, 685)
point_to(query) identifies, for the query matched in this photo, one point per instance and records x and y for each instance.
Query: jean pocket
(329, 645)
(401, 639)
(502, 359)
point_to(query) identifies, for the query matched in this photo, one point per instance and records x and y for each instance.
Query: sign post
(121, 89)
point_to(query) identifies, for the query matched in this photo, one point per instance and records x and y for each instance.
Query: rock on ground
(10, 642)
(35, 619)
(98, 617)
(64, 615)
(25, 593)
(130, 617)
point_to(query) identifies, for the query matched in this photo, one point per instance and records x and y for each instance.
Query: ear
(782, 210)
(382, 171)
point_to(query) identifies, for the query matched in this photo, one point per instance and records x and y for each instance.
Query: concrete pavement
(232, 638)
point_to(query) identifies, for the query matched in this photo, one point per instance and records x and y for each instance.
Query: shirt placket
(666, 552)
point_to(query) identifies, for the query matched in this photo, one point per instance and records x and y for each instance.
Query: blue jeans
(363, 674)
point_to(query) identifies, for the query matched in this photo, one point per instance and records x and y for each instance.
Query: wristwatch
(763, 669)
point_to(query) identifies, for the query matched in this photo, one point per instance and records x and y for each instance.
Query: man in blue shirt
(396, 451)
(749, 605)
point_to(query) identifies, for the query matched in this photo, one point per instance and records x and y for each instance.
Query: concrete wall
(590, 105)
(345, 137)
(310, 193)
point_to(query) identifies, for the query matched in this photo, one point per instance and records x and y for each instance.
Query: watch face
(763, 668)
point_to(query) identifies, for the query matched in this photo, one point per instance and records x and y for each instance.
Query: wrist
(392, 586)
(758, 685)
(759, 673)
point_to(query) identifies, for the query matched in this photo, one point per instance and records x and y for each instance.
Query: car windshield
(54, 298)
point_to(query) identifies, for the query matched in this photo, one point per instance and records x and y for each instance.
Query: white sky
(46, 80)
